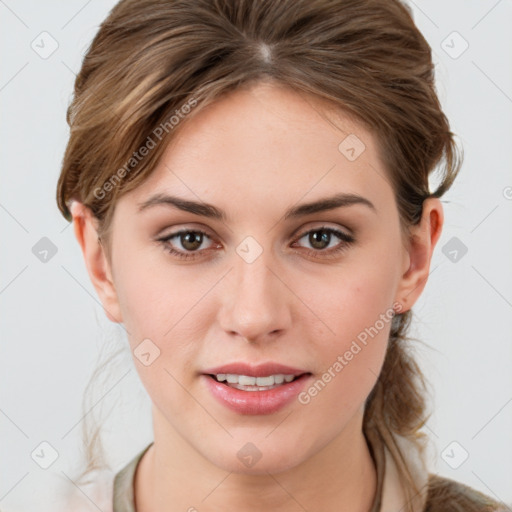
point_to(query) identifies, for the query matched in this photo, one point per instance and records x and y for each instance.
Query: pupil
(192, 240)
(317, 241)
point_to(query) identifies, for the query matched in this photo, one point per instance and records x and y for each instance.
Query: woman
(249, 184)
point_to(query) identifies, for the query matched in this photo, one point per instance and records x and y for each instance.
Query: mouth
(250, 383)
(262, 389)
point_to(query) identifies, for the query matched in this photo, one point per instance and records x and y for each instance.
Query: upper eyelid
(295, 232)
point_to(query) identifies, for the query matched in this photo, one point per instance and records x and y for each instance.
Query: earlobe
(97, 264)
(423, 240)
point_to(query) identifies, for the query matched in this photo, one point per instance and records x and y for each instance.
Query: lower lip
(256, 402)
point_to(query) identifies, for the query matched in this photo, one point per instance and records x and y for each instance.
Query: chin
(257, 458)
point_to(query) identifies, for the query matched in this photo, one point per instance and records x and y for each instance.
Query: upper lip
(260, 370)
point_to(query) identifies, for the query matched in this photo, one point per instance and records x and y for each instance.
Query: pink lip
(255, 402)
(260, 370)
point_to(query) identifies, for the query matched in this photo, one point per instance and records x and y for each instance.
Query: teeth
(278, 379)
(263, 381)
(246, 380)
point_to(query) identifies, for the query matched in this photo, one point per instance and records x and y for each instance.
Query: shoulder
(447, 495)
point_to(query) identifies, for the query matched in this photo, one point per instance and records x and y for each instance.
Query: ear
(418, 254)
(96, 261)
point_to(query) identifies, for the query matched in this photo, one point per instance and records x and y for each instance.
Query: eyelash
(346, 241)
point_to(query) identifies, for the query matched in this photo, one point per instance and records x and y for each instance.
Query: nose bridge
(256, 305)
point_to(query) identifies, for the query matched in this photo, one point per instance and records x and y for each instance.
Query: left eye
(319, 238)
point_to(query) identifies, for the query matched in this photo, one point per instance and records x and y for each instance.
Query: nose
(256, 305)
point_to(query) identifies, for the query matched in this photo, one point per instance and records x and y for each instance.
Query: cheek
(151, 301)
(353, 301)
(157, 311)
(163, 305)
(356, 312)
(351, 364)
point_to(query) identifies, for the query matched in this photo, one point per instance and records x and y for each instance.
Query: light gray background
(53, 325)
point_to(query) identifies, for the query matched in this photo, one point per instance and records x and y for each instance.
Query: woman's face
(312, 290)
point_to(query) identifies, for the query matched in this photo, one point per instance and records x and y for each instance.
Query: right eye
(326, 234)
(190, 240)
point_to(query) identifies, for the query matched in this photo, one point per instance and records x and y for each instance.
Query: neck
(173, 476)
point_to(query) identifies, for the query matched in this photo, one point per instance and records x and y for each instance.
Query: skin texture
(255, 153)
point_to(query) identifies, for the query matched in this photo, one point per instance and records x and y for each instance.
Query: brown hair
(154, 64)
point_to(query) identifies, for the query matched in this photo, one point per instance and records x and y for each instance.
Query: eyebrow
(212, 212)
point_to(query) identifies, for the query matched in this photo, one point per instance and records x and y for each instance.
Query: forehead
(268, 146)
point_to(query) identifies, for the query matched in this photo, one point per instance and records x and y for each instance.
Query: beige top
(388, 498)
